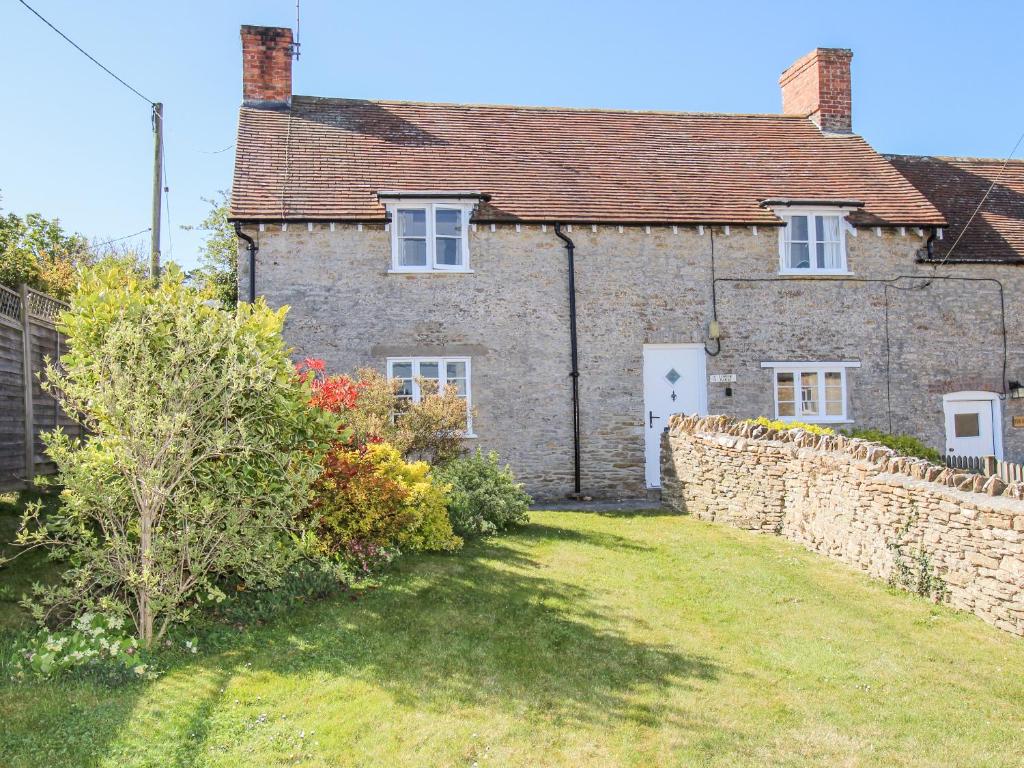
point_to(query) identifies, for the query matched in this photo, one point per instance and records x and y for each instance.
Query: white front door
(970, 427)
(674, 382)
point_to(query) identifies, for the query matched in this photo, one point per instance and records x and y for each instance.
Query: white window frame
(430, 207)
(798, 368)
(787, 214)
(442, 371)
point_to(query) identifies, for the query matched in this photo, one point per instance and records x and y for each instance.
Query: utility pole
(158, 183)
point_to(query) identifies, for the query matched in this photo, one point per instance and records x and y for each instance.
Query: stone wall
(636, 286)
(851, 500)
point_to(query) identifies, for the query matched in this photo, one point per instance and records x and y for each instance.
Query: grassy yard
(636, 639)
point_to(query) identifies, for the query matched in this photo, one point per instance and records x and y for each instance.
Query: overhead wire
(85, 53)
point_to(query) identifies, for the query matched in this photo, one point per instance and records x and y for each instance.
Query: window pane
(414, 253)
(966, 425)
(787, 409)
(798, 228)
(785, 386)
(403, 372)
(799, 256)
(449, 251)
(833, 393)
(448, 223)
(809, 393)
(456, 373)
(429, 370)
(412, 222)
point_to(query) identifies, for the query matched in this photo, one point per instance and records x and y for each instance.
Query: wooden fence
(27, 337)
(988, 465)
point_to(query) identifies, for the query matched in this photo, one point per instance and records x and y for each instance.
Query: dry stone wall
(857, 502)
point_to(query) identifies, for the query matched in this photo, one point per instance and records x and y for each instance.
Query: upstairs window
(429, 237)
(810, 392)
(813, 243)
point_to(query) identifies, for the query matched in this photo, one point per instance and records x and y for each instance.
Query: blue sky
(928, 78)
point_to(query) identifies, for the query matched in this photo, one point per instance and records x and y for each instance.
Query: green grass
(582, 640)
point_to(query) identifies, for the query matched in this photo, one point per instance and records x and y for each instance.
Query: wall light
(1016, 390)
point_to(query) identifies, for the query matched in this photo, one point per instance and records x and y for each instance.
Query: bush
(369, 501)
(95, 643)
(431, 430)
(484, 497)
(815, 429)
(904, 445)
(200, 449)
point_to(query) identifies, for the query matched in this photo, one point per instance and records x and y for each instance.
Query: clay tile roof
(326, 159)
(956, 185)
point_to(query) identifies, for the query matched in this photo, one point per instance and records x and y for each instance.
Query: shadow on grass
(541, 531)
(484, 628)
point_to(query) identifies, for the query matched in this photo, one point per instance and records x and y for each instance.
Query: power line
(119, 239)
(984, 197)
(83, 52)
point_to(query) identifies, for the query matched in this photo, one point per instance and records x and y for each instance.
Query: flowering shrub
(484, 496)
(370, 501)
(776, 424)
(95, 640)
(431, 429)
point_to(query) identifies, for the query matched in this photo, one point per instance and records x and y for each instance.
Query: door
(674, 382)
(970, 427)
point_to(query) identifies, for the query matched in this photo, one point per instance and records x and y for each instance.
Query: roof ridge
(550, 108)
(956, 158)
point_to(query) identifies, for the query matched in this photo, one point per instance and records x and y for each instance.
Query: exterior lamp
(1016, 390)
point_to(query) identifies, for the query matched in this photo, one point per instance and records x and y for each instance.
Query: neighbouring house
(581, 274)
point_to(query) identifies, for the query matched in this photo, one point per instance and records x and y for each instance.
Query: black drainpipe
(252, 248)
(570, 250)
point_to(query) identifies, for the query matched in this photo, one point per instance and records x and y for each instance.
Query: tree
(36, 251)
(201, 447)
(218, 263)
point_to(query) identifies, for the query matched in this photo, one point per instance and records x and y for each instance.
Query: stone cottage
(582, 274)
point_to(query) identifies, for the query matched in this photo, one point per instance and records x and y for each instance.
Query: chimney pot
(818, 86)
(266, 67)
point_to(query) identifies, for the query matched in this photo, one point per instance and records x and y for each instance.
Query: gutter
(574, 374)
(253, 249)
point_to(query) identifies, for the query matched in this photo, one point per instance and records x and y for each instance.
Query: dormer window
(813, 242)
(429, 235)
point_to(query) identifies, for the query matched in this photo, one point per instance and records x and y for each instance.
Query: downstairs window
(810, 392)
(438, 373)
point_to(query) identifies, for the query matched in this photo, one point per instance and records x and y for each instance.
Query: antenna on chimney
(295, 43)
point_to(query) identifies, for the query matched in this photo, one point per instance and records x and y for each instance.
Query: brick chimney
(266, 67)
(818, 86)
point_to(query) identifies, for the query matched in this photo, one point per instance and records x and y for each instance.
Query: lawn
(585, 639)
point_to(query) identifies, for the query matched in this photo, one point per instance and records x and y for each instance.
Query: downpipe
(574, 374)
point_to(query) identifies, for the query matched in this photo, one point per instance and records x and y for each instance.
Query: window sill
(814, 272)
(430, 271)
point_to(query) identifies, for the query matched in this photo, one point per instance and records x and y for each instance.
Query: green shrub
(370, 500)
(776, 424)
(904, 445)
(484, 497)
(200, 449)
(95, 643)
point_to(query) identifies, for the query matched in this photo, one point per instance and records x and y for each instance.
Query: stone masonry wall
(637, 286)
(849, 499)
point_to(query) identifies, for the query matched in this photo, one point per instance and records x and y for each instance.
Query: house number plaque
(1018, 422)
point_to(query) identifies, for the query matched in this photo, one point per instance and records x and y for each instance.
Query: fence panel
(1007, 471)
(27, 339)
